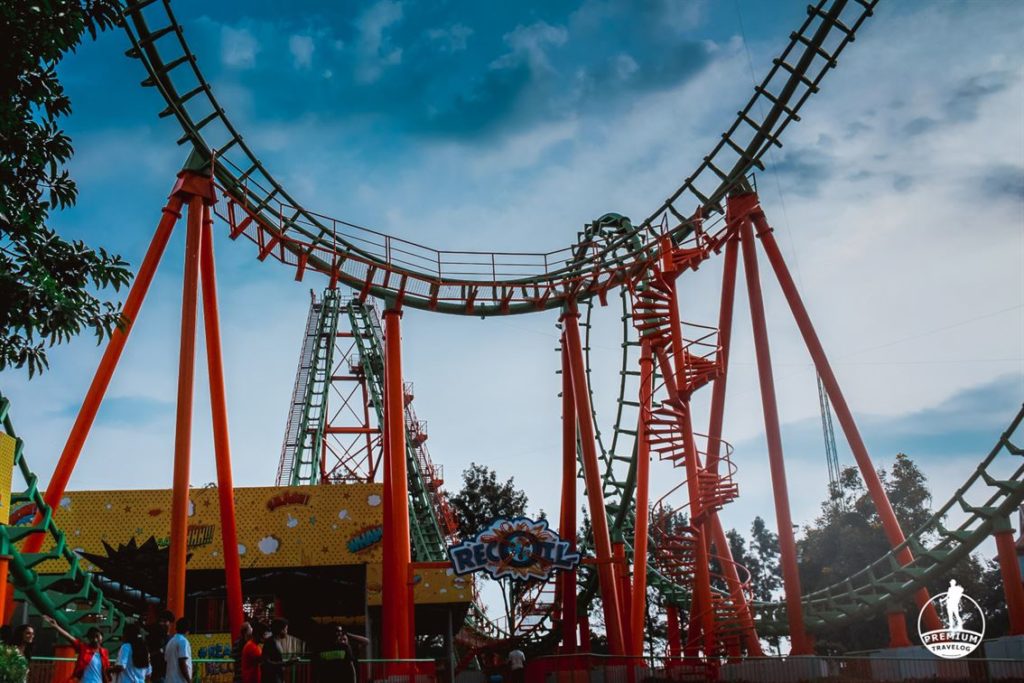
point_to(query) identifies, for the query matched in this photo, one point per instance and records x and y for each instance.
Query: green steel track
(428, 543)
(72, 598)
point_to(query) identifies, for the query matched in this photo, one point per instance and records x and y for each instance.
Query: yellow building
(309, 553)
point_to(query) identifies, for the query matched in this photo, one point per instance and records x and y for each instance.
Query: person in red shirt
(252, 654)
(88, 667)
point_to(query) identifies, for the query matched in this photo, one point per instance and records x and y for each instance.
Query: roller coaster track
(987, 498)
(492, 283)
(72, 598)
(462, 282)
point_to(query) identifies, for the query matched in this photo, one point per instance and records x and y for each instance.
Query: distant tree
(48, 286)
(846, 538)
(483, 498)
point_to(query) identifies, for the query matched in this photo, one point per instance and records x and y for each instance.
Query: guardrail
(209, 670)
(881, 666)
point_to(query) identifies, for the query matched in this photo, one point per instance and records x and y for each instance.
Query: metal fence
(873, 668)
(58, 670)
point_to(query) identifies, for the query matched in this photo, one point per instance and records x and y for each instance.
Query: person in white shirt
(178, 654)
(133, 657)
(516, 664)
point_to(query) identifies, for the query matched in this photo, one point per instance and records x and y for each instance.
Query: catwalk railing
(469, 282)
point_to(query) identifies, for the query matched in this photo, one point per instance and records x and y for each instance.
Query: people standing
(92, 662)
(337, 661)
(244, 635)
(517, 665)
(252, 654)
(133, 657)
(273, 661)
(23, 639)
(178, 653)
(157, 641)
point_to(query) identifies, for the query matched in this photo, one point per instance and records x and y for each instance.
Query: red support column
(898, 629)
(101, 380)
(1009, 567)
(183, 424)
(221, 439)
(625, 593)
(860, 452)
(783, 518)
(675, 645)
(716, 419)
(592, 475)
(638, 601)
(397, 610)
(567, 527)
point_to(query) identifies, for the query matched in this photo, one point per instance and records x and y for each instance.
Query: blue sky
(898, 200)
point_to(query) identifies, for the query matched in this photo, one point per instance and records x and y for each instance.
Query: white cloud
(530, 43)
(302, 48)
(452, 38)
(238, 48)
(376, 53)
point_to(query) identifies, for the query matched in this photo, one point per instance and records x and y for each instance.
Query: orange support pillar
(221, 440)
(715, 421)
(890, 524)
(567, 526)
(6, 593)
(675, 645)
(898, 629)
(625, 593)
(62, 670)
(783, 518)
(592, 477)
(178, 551)
(638, 601)
(111, 355)
(396, 610)
(1013, 586)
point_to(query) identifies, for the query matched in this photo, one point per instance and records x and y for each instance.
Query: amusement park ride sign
(519, 548)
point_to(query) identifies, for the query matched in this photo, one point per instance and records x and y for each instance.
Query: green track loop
(72, 598)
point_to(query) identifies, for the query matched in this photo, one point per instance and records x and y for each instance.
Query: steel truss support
(890, 524)
(740, 206)
(721, 543)
(638, 601)
(1009, 567)
(397, 624)
(602, 541)
(197, 190)
(221, 439)
(567, 518)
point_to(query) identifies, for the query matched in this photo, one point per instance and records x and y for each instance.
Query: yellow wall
(277, 526)
(7, 444)
(431, 586)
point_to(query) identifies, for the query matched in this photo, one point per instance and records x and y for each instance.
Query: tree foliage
(848, 536)
(483, 498)
(48, 286)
